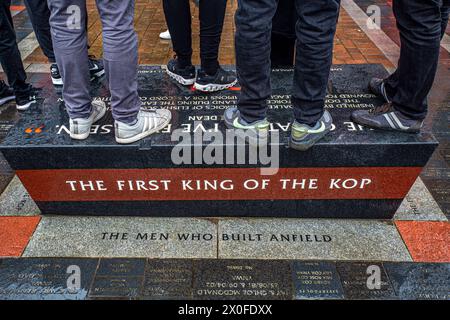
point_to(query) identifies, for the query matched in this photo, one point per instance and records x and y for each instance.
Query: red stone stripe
(15, 232)
(53, 185)
(17, 8)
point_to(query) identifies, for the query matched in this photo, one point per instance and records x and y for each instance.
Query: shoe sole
(57, 82)
(212, 87)
(7, 99)
(303, 146)
(25, 106)
(180, 79)
(145, 134)
(84, 136)
(366, 124)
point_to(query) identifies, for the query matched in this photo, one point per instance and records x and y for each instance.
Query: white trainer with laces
(148, 122)
(165, 35)
(80, 128)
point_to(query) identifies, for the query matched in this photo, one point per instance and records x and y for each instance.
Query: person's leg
(67, 21)
(39, 14)
(253, 32)
(315, 30)
(212, 15)
(10, 57)
(419, 23)
(120, 54)
(178, 19)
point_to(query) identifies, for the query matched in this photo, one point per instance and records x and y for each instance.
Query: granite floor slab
(419, 205)
(15, 201)
(123, 237)
(310, 239)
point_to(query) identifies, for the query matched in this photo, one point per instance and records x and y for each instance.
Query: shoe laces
(385, 108)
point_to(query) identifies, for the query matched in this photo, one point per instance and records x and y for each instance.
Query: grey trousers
(120, 55)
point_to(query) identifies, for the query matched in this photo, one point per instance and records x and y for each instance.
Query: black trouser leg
(212, 15)
(10, 58)
(178, 19)
(40, 15)
(252, 39)
(315, 30)
(420, 25)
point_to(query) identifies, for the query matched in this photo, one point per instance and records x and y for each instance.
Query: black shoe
(6, 93)
(23, 103)
(378, 87)
(56, 76)
(385, 117)
(220, 81)
(185, 76)
(96, 68)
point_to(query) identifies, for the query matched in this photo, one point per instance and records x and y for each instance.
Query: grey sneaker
(81, 128)
(385, 117)
(304, 137)
(256, 132)
(148, 122)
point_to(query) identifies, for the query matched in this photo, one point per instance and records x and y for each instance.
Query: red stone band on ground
(15, 233)
(218, 184)
(427, 241)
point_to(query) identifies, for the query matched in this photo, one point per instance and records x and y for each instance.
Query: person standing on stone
(315, 30)
(422, 25)
(39, 14)
(12, 65)
(211, 77)
(120, 47)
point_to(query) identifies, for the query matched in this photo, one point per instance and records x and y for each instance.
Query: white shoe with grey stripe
(385, 117)
(80, 128)
(148, 122)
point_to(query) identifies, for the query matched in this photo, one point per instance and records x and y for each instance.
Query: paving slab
(310, 239)
(124, 237)
(15, 232)
(15, 201)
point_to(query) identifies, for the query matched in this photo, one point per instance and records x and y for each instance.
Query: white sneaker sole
(143, 134)
(180, 79)
(6, 99)
(85, 135)
(25, 106)
(57, 82)
(212, 87)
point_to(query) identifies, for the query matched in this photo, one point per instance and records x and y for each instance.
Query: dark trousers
(39, 16)
(178, 18)
(422, 25)
(315, 30)
(10, 58)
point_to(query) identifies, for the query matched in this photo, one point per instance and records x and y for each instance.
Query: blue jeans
(315, 30)
(422, 25)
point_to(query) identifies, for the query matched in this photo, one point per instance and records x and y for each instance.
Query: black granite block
(118, 278)
(167, 279)
(316, 280)
(359, 284)
(420, 281)
(46, 278)
(39, 147)
(242, 279)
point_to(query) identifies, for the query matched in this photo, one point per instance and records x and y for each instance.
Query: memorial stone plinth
(189, 169)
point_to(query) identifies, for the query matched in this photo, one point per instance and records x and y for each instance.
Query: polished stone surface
(15, 232)
(355, 279)
(123, 237)
(419, 205)
(318, 239)
(421, 281)
(15, 201)
(316, 280)
(242, 280)
(427, 241)
(46, 279)
(167, 279)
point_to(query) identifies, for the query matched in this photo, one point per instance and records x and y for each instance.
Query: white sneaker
(148, 122)
(81, 128)
(165, 35)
